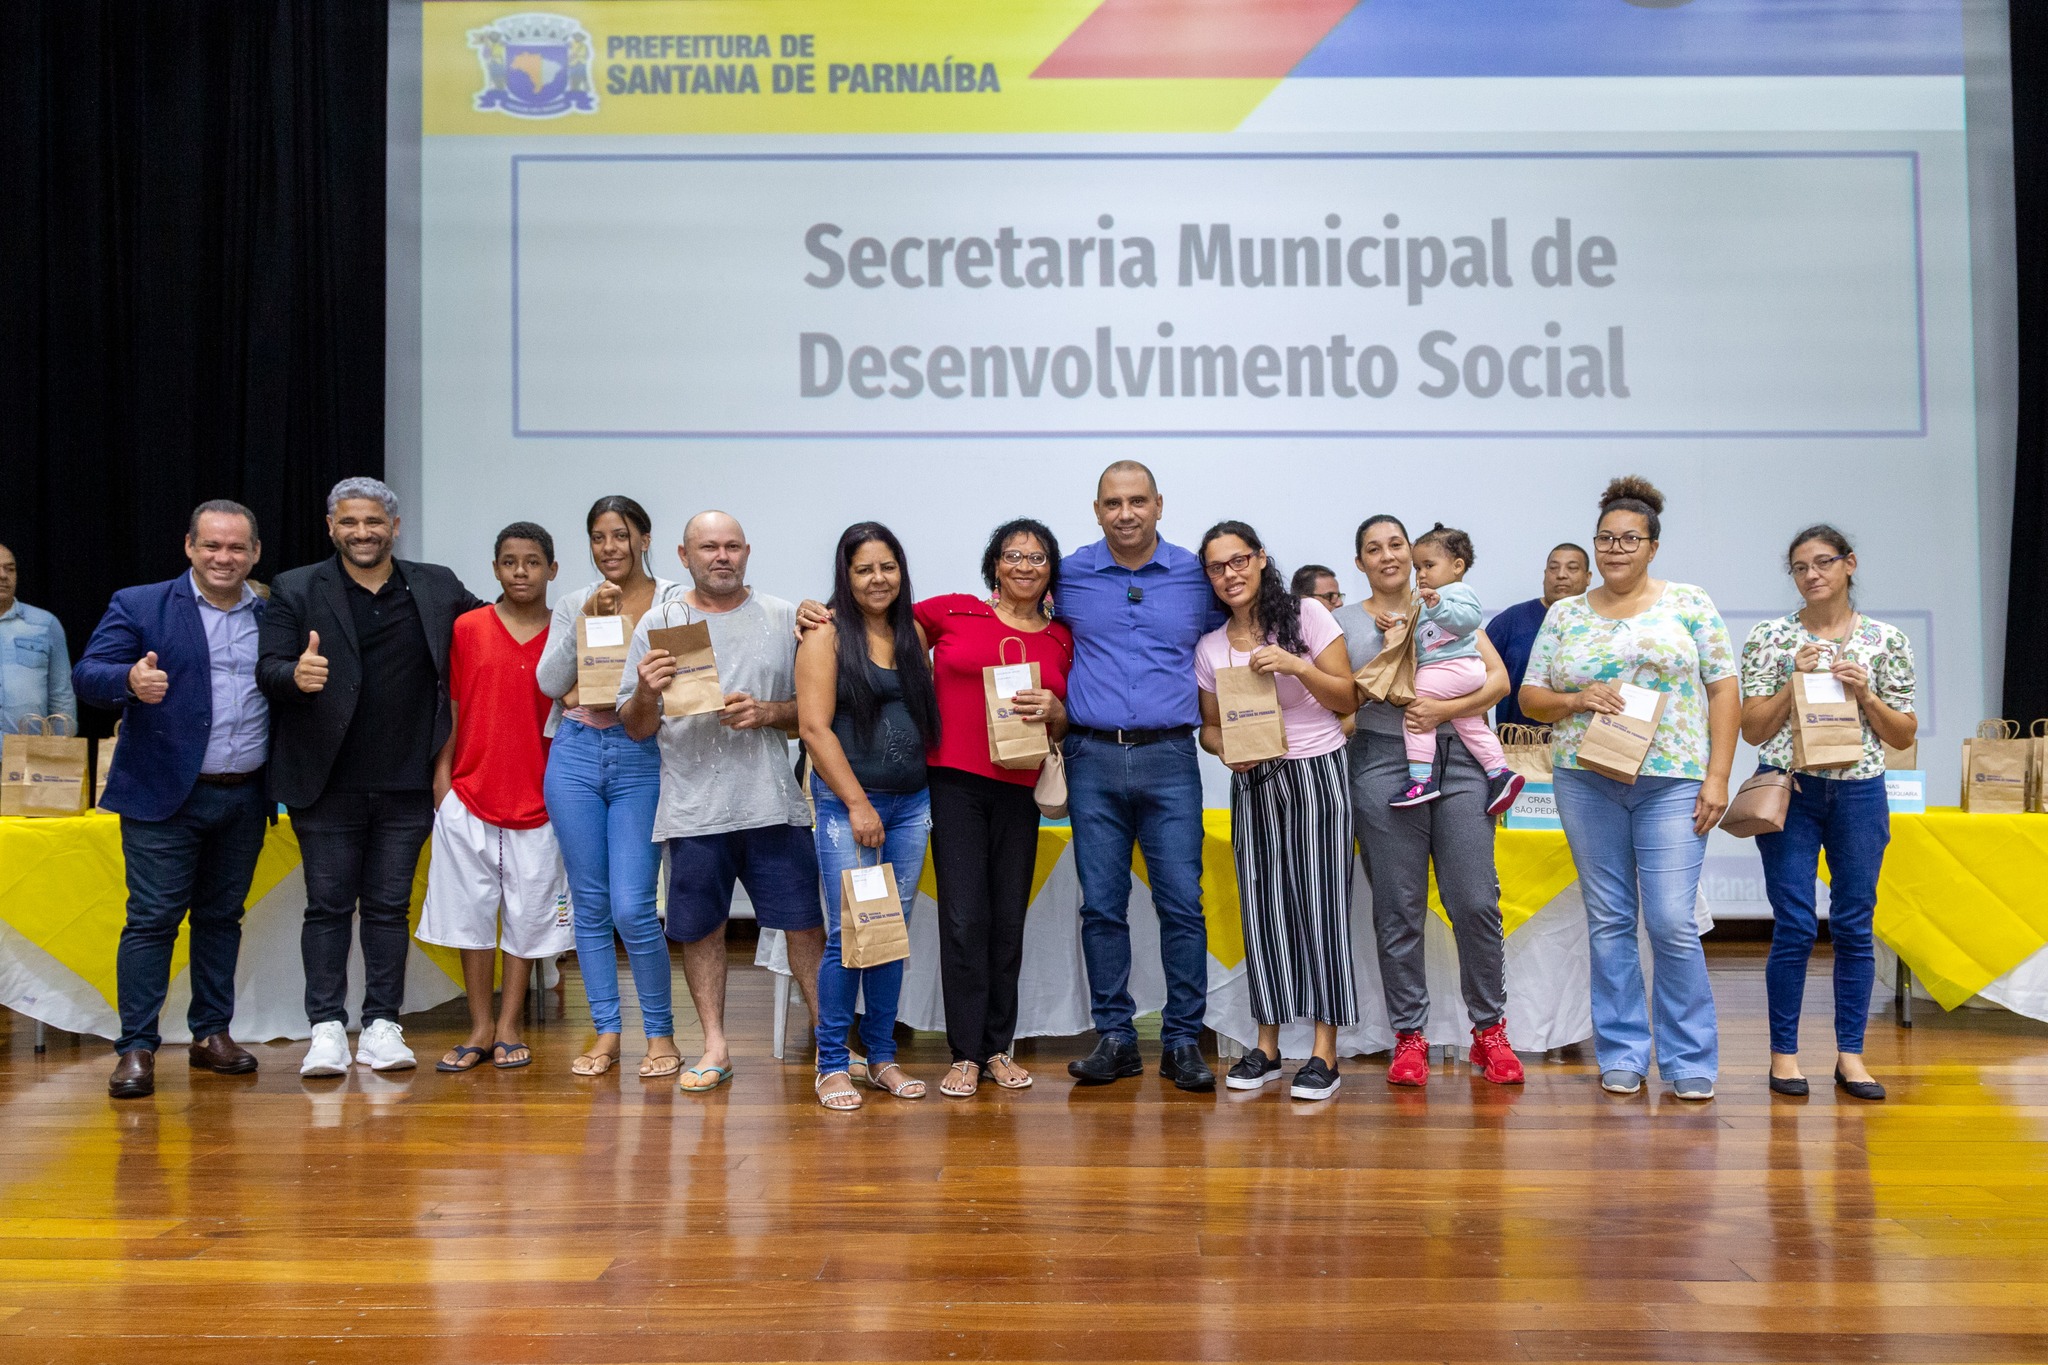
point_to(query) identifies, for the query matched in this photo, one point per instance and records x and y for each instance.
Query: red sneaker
(1494, 1058)
(1411, 1060)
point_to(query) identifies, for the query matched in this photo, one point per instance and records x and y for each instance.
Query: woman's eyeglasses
(1035, 558)
(1821, 563)
(1216, 568)
(1627, 542)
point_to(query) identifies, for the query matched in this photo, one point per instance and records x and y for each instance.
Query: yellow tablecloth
(64, 889)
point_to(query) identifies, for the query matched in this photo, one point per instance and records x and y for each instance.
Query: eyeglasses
(1331, 598)
(1822, 563)
(1628, 541)
(1216, 568)
(1035, 558)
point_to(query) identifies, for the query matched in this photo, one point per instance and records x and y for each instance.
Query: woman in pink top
(1290, 817)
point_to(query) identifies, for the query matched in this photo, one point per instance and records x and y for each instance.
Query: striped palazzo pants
(1290, 826)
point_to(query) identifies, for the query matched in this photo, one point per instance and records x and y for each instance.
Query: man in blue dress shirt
(35, 663)
(1513, 629)
(178, 660)
(1137, 605)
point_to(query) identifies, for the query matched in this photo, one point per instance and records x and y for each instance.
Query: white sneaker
(382, 1047)
(328, 1055)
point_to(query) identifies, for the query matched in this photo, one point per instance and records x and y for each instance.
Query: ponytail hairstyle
(628, 511)
(857, 679)
(1634, 493)
(1365, 528)
(1275, 611)
(1455, 543)
(1826, 535)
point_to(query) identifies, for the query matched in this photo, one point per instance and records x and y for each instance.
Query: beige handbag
(1051, 791)
(1760, 805)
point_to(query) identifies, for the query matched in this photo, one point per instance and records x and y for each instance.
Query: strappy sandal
(593, 1064)
(1018, 1079)
(836, 1099)
(908, 1088)
(962, 1080)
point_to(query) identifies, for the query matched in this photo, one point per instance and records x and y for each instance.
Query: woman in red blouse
(984, 820)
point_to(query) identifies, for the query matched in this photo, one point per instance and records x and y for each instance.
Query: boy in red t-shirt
(493, 846)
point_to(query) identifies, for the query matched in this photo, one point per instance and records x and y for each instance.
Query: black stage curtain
(2026, 619)
(191, 280)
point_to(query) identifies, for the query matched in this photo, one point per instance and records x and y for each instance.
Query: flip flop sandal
(593, 1064)
(719, 1076)
(997, 1077)
(475, 1056)
(961, 1081)
(654, 1068)
(841, 1100)
(909, 1088)
(501, 1050)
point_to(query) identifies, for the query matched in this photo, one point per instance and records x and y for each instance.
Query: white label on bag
(603, 631)
(1638, 703)
(1012, 679)
(1825, 687)
(868, 884)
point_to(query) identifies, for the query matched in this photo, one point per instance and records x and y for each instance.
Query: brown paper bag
(2037, 769)
(43, 769)
(871, 927)
(601, 644)
(1389, 675)
(1013, 742)
(1615, 746)
(1995, 769)
(1248, 703)
(1527, 750)
(1906, 760)
(103, 762)
(1827, 724)
(694, 690)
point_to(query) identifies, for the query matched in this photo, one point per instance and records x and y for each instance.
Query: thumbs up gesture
(148, 682)
(311, 673)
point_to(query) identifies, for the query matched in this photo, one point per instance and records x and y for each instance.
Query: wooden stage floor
(528, 1216)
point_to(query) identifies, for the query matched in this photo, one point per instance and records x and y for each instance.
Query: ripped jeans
(906, 827)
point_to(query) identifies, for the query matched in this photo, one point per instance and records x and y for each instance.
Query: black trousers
(984, 846)
(361, 850)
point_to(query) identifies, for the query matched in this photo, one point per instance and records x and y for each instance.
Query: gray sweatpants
(1397, 846)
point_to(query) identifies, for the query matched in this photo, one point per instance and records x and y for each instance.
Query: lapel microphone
(1134, 593)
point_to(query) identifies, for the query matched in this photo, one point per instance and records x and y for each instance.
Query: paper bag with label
(1527, 750)
(695, 689)
(1827, 724)
(42, 769)
(1389, 675)
(601, 643)
(1013, 742)
(1615, 746)
(871, 927)
(1995, 769)
(1248, 704)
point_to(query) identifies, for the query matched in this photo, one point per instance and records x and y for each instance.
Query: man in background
(1317, 581)
(178, 661)
(1565, 574)
(35, 663)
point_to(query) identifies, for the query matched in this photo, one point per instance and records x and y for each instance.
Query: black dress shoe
(1185, 1068)
(223, 1054)
(1112, 1060)
(134, 1076)
(1862, 1090)
(1789, 1085)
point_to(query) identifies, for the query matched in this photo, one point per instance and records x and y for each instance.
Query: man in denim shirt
(35, 663)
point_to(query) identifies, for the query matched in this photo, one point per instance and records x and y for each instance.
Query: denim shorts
(778, 864)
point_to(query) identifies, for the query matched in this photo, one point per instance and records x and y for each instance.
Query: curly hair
(1023, 526)
(1275, 611)
(1634, 493)
(1455, 543)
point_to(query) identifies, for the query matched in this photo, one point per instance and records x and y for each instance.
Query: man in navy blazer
(178, 660)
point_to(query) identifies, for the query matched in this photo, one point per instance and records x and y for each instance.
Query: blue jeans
(1852, 820)
(601, 791)
(1150, 795)
(906, 826)
(201, 859)
(1636, 852)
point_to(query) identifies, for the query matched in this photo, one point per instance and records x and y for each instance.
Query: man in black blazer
(355, 664)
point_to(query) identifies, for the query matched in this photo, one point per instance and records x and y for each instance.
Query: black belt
(230, 779)
(1132, 738)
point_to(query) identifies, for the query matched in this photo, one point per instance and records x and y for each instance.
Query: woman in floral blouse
(1843, 810)
(1639, 846)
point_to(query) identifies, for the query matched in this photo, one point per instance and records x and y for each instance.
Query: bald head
(715, 551)
(1122, 470)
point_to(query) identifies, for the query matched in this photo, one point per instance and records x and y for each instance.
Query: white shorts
(478, 867)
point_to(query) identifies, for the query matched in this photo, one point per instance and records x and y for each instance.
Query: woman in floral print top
(1639, 845)
(1843, 810)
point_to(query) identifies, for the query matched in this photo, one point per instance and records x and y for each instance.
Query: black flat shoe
(1112, 1060)
(1185, 1068)
(1861, 1090)
(1789, 1085)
